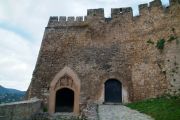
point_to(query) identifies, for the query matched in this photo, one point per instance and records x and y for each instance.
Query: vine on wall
(161, 42)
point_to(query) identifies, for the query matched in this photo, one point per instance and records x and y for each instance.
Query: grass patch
(164, 108)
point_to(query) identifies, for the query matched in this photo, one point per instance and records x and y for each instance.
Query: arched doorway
(113, 91)
(64, 100)
(65, 82)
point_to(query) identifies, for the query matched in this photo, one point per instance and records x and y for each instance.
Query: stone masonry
(82, 53)
(23, 110)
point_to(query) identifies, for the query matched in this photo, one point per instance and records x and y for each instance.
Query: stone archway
(65, 79)
(113, 91)
(124, 87)
(64, 100)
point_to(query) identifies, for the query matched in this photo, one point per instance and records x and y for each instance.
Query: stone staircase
(65, 116)
(91, 112)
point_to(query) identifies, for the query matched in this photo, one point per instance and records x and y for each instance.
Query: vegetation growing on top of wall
(160, 44)
(45, 109)
(172, 38)
(150, 41)
(175, 69)
(162, 108)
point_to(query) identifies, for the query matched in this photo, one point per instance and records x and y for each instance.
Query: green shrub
(45, 109)
(171, 38)
(160, 44)
(150, 41)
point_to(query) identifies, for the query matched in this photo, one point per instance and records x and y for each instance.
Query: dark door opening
(64, 100)
(113, 91)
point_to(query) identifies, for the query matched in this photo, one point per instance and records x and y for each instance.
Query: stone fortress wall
(24, 110)
(93, 49)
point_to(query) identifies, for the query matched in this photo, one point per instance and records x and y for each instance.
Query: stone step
(120, 112)
(65, 116)
(56, 116)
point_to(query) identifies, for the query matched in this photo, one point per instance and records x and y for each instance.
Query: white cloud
(17, 59)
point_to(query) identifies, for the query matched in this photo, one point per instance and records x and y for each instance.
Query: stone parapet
(98, 14)
(23, 110)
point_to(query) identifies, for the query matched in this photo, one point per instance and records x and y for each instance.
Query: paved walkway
(120, 112)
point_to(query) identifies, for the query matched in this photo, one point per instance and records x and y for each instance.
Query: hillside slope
(163, 108)
(10, 95)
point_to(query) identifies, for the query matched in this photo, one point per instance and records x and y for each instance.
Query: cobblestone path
(120, 112)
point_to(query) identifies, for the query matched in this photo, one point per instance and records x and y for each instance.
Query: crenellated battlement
(95, 14)
(143, 8)
(65, 19)
(173, 2)
(115, 12)
(155, 3)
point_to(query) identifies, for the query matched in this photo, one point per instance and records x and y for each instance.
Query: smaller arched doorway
(113, 91)
(64, 100)
(64, 92)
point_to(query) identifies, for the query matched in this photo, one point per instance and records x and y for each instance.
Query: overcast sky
(22, 24)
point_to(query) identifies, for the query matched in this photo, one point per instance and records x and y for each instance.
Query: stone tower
(121, 59)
